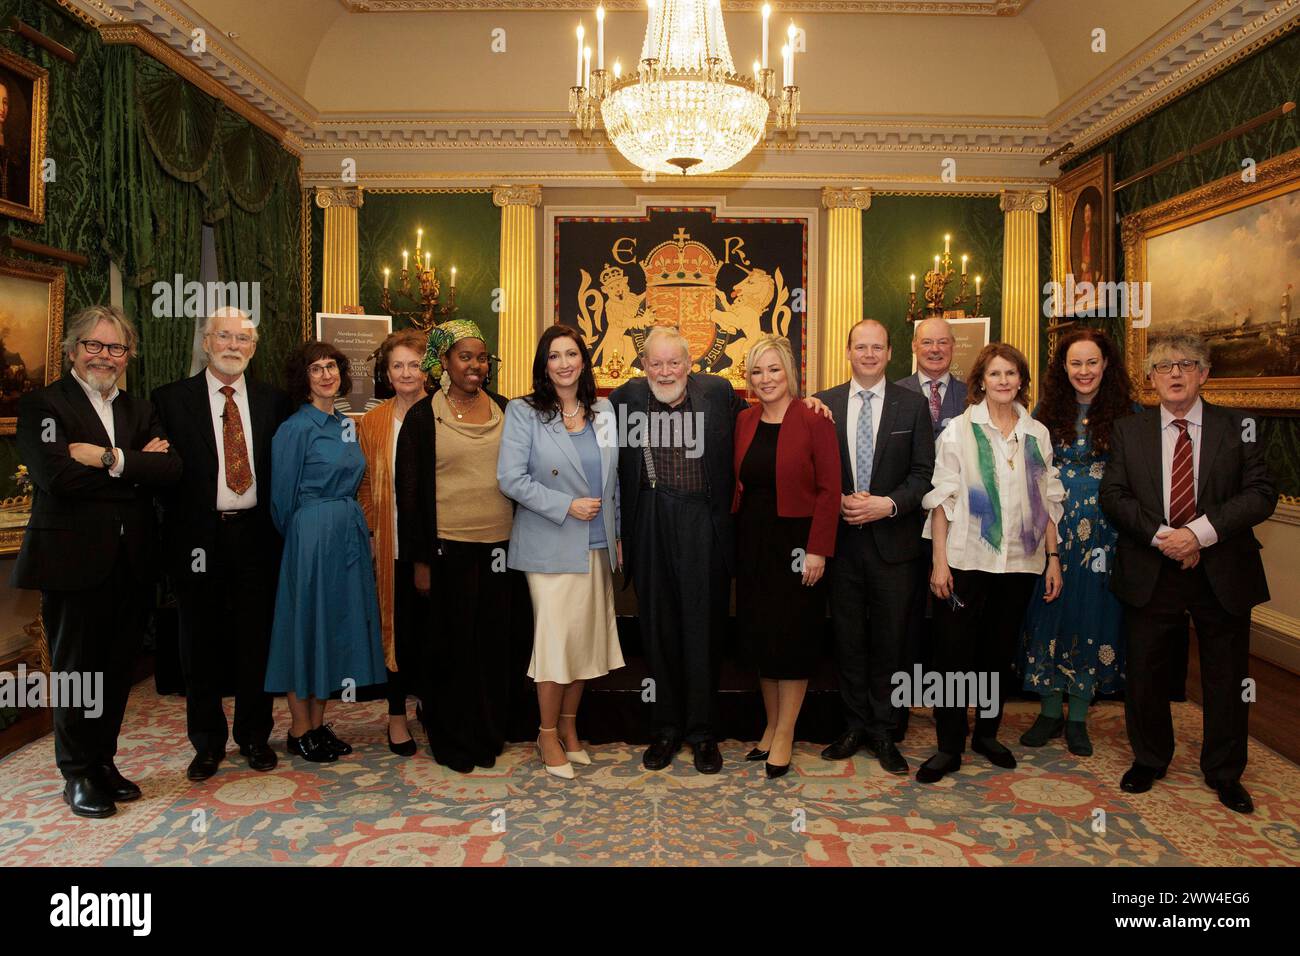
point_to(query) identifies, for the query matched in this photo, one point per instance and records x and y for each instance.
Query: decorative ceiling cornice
(1221, 35)
(976, 8)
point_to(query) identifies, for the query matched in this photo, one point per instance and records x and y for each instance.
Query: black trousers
(682, 589)
(981, 637)
(1155, 634)
(407, 607)
(95, 631)
(467, 620)
(870, 601)
(225, 622)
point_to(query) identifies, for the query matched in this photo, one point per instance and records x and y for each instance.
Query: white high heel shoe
(579, 756)
(565, 770)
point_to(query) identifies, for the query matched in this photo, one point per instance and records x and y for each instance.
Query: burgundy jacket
(807, 471)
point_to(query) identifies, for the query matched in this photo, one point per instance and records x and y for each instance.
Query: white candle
(453, 277)
(767, 12)
(586, 65)
(405, 255)
(755, 69)
(791, 34)
(963, 264)
(578, 79)
(600, 38)
(427, 257)
(913, 282)
(785, 65)
(946, 241)
(936, 263)
(977, 285)
(386, 270)
(618, 69)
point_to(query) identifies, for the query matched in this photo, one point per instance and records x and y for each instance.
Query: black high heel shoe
(773, 771)
(757, 754)
(406, 748)
(310, 747)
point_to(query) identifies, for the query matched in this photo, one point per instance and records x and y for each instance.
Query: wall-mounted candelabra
(935, 284)
(419, 288)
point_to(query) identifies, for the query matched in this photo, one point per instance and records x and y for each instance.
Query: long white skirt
(574, 633)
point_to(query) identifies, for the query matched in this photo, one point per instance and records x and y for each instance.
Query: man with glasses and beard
(96, 456)
(221, 552)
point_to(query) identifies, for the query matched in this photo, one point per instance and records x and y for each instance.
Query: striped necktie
(1182, 487)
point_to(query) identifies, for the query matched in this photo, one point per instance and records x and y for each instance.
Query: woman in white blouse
(994, 506)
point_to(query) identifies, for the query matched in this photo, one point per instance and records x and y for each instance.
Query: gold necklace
(456, 405)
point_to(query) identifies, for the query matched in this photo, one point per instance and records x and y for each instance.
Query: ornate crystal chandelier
(684, 108)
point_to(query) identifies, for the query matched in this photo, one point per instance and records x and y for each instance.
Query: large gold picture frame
(1200, 252)
(1083, 242)
(31, 331)
(23, 120)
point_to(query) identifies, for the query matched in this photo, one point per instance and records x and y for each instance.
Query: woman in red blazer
(787, 505)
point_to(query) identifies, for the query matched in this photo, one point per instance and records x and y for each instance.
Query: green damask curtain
(174, 159)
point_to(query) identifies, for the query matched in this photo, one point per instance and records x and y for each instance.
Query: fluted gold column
(339, 281)
(842, 306)
(518, 320)
(1022, 306)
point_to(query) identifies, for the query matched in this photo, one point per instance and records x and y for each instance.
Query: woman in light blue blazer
(559, 461)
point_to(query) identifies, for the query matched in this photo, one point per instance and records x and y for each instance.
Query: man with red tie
(221, 552)
(1185, 486)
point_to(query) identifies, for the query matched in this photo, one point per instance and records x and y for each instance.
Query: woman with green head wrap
(451, 520)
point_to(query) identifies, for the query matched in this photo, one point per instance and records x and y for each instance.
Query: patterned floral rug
(374, 808)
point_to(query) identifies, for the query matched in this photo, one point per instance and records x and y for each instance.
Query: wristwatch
(108, 459)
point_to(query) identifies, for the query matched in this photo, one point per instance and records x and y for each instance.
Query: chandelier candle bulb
(946, 241)
(427, 260)
(785, 65)
(913, 282)
(791, 34)
(405, 256)
(963, 264)
(600, 38)
(936, 265)
(386, 271)
(453, 277)
(977, 285)
(586, 67)
(618, 70)
(578, 78)
(767, 13)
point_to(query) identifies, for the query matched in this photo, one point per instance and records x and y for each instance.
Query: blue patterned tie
(865, 448)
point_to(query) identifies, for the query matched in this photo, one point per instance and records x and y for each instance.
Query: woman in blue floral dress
(1074, 646)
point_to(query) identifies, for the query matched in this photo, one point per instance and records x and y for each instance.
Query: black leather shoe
(1138, 779)
(708, 758)
(891, 761)
(996, 754)
(260, 756)
(1076, 738)
(204, 765)
(310, 746)
(1234, 796)
(1044, 729)
(757, 754)
(773, 771)
(660, 753)
(87, 798)
(118, 787)
(934, 769)
(845, 745)
(406, 748)
(335, 745)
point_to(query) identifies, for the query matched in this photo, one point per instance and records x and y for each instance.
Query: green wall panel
(460, 229)
(902, 234)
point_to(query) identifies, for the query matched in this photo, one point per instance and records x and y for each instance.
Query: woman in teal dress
(1074, 647)
(326, 629)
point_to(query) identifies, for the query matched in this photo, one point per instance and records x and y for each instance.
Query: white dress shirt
(855, 409)
(925, 380)
(1199, 526)
(966, 549)
(103, 407)
(227, 500)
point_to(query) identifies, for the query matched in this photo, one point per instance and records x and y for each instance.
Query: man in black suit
(1185, 485)
(221, 551)
(678, 541)
(96, 455)
(887, 461)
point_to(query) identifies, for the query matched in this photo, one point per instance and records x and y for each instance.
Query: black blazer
(189, 508)
(416, 482)
(79, 513)
(901, 469)
(720, 404)
(1235, 494)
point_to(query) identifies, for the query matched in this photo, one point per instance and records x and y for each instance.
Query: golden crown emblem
(610, 273)
(681, 261)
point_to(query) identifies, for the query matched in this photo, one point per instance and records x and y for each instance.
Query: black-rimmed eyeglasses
(94, 347)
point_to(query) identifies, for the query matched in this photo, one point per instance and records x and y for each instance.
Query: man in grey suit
(932, 343)
(887, 461)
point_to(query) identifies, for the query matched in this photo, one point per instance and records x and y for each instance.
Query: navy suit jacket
(954, 399)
